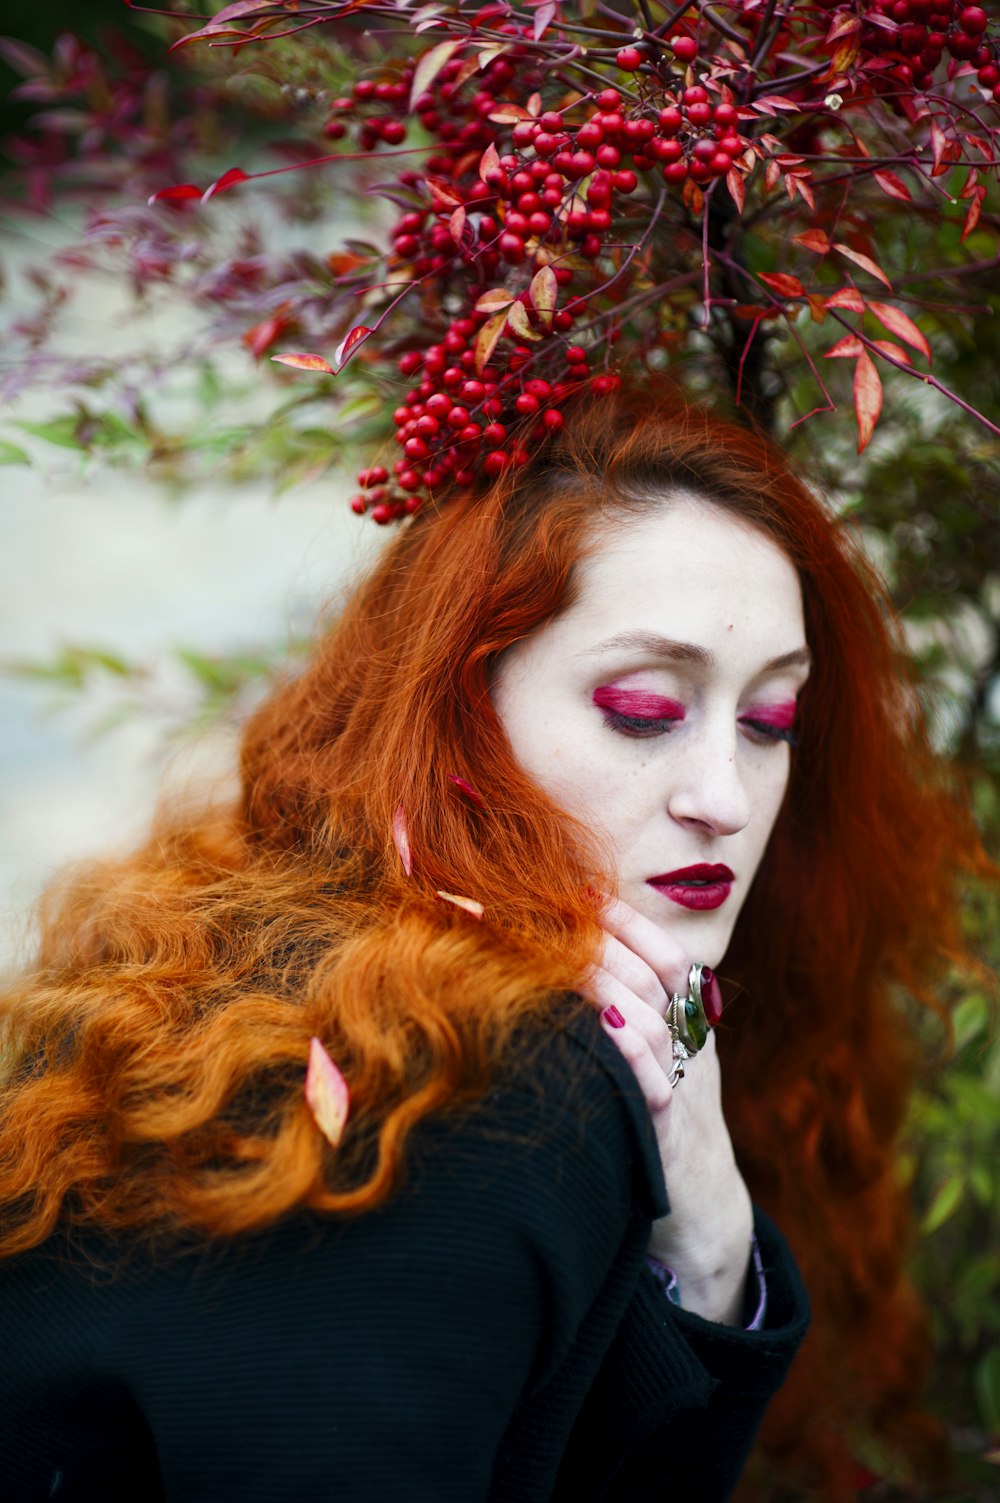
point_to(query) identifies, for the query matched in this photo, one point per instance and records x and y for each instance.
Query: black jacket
(493, 1335)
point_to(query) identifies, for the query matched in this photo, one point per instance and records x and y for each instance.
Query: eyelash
(640, 729)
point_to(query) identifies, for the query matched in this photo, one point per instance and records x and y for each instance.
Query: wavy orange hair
(159, 1044)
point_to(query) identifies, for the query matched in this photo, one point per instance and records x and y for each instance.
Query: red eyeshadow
(782, 716)
(638, 704)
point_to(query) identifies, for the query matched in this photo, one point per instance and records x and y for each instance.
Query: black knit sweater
(491, 1334)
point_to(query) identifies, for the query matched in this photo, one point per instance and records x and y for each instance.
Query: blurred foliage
(925, 496)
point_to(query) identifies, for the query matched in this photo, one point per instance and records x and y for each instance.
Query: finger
(643, 1062)
(634, 973)
(639, 934)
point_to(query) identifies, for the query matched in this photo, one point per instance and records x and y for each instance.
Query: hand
(706, 1237)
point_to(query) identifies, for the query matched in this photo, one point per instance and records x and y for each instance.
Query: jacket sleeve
(683, 1397)
(384, 1356)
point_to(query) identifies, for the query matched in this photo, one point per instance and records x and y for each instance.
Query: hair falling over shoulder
(155, 1054)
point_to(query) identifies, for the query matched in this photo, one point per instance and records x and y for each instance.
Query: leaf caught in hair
(469, 904)
(467, 789)
(327, 1094)
(401, 840)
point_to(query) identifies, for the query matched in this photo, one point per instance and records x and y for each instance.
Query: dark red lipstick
(698, 887)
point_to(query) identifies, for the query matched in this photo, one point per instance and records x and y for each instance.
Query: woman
(637, 709)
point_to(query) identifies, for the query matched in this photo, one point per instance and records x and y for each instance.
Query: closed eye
(770, 732)
(639, 726)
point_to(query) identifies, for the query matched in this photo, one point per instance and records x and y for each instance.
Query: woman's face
(653, 709)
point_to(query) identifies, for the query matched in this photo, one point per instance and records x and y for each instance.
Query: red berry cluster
(549, 202)
(917, 34)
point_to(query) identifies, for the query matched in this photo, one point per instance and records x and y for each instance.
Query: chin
(704, 935)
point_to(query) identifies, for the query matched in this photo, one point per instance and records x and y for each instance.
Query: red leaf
(867, 398)
(737, 188)
(227, 180)
(846, 297)
(466, 789)
(348, 343)
(781, 282)
(974, 211)
(456, 223)
(169, 195)
(260, 338)
(489, 162)
(443, 196)
(865, 262)
(939, 149)
(896, 351)
(900, 324)
(814, 240)
(893, 185)
(401, 840)
(543, 18)
(847, 348)
(845, 26)
(327, 1094)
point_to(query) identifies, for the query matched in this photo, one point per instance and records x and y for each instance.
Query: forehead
(685, 567)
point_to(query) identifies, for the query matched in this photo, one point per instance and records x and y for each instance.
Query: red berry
(590, 135)
(393, 132)
(553, 419)
(638, 132)
(539, 223)
(537, 387)
(973, 20)
(496, 462)
(608, 155)
(699, 113)
(364, 88)
(458, 417)
(602, 385)
(675, 172)
(625, 181)
(576, 354)
(725, 114)
(629, 59)
(600, 220)
(704, 149)
(670, 120)
(695, 94)
(334, 130)
(669, 150)
(511, 247)
(989, 75)
(551, 120)
(411, 362)
(408, 480)
(494, 434)
(526, 404)
(545, 143)
(359, 505)
(609, 99)
(685, 48)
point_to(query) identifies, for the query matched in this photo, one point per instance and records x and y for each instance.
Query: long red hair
(157, 1048)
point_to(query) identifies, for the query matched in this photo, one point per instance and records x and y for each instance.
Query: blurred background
(174, 519)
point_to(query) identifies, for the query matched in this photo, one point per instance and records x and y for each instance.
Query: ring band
(690, 1017)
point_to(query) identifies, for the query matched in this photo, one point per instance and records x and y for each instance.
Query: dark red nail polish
(613, 1017)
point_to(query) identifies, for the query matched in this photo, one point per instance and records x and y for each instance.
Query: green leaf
(12, 453)
(62, 431)
(947, 1199)
(970, 1018)
(986, 1382)
(981, 1183)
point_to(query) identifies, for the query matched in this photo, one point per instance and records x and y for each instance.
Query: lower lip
(712, 895)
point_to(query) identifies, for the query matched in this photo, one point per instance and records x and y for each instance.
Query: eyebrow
(654, 645)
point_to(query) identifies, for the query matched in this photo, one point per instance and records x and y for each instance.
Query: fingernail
(612, 1017)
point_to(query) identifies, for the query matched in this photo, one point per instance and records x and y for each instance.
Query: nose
(709, 794)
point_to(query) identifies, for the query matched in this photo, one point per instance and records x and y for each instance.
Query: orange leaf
(867, 398)
(844, 27)
(305, 363)
(456, 223)
(865, 262)
(893, 185)
(488, 338)
(974, 211)
(489, 162)
(737, 188)
(817, 307)
(430, 65)
(327, 1094)
(544, 291)
(781, 282)
(494, 300)
(401, 839)
(849, 348)
(443, 196)
(520, 323)
(902, 326)
(469, 904)
(814, 240)
(509, 114)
